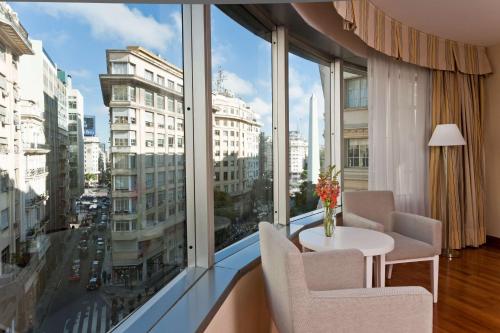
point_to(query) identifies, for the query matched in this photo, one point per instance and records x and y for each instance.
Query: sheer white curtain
(398, 130)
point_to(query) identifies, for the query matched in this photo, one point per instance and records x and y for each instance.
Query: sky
(76, 36)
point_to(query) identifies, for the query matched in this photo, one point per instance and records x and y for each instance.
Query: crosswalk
(92, 319)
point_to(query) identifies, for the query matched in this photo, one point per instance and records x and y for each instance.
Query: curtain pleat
(458, 98)
(398, 131)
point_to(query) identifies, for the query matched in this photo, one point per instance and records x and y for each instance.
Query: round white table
(370, 242)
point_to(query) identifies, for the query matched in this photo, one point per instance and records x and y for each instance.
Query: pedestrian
(104, 276)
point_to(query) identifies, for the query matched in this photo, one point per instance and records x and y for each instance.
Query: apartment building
(236, 139)
(14, 43)
(75, 138)
(144, 94)
(92, 155)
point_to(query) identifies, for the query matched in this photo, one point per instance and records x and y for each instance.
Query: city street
(73, 308)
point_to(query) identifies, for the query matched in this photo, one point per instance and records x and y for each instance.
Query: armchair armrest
(418, 227)
(398, 309)
(353, 220)
(336, 269)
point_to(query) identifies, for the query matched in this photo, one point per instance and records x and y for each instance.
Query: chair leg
(389, 272)
(435, 277)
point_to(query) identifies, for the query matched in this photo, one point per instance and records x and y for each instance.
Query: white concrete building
(236, 144)
(14, 43)
(144, 94)
(298, 148)
(76, 144)
(44, 91)
(92, 153)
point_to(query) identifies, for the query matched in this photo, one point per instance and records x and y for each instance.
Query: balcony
(12, 31)
(32, 113)
(36, 172)
(31, 148)
(37, 200)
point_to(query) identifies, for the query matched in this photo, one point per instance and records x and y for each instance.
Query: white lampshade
(447, 135)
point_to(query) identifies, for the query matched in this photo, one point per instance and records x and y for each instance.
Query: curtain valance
(393, 38)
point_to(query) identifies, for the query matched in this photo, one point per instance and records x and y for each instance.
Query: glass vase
(329, 222)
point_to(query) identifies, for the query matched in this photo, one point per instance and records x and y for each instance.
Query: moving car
(93, 284)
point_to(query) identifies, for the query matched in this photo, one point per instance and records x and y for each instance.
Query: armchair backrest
(284, 276)
(373, 205)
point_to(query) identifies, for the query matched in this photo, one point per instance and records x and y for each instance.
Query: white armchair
(322, 292)
(416, 238)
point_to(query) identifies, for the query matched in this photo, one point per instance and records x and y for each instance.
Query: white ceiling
(469, 21)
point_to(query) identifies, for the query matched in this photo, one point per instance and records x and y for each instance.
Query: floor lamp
(446, 135)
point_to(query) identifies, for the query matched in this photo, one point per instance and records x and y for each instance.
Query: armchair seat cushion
(408, 248)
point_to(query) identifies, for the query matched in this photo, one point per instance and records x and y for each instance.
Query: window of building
(171, 141)
(161, 140)
(357, 153)
(150, 180)
(125, 183)
(160, 160)
(149, 160)
(123, 115)
(180, 107)
(148, 98)
(306, 140)
(123, 93)
(170, 104)
(124, 161)
(150, 139)
(120, 68)
(149, 119)
(162, 179)
(180, 125)
(160, 120)
(170, 123)
(3, 53)
(150, 200)
(122, 226)
(180, 142)
(356, 91)
(148, 75)
(123, 138)
(160, 80)
(170, 84)
(160, 102)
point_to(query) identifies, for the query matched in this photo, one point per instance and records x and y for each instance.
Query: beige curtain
(458, 98)
(396, 39)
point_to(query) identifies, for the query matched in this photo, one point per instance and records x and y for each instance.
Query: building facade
(92, 154)
(236, 143)
(75, 139)
(355, 132)
(14, 43)
(144, 94)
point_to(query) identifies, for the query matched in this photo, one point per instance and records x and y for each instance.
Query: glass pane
(86, 236)
(306, 131)
(355, 130)
(242, 136)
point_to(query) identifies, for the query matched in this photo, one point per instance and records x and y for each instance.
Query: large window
(306, 131)
(84, 240)
(241, 100)
(355, 129)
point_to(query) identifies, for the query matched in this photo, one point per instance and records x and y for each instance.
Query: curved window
(87, 238)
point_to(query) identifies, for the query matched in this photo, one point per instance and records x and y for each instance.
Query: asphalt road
(72, 307)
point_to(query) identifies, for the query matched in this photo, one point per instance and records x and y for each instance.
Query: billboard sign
(89, 125)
